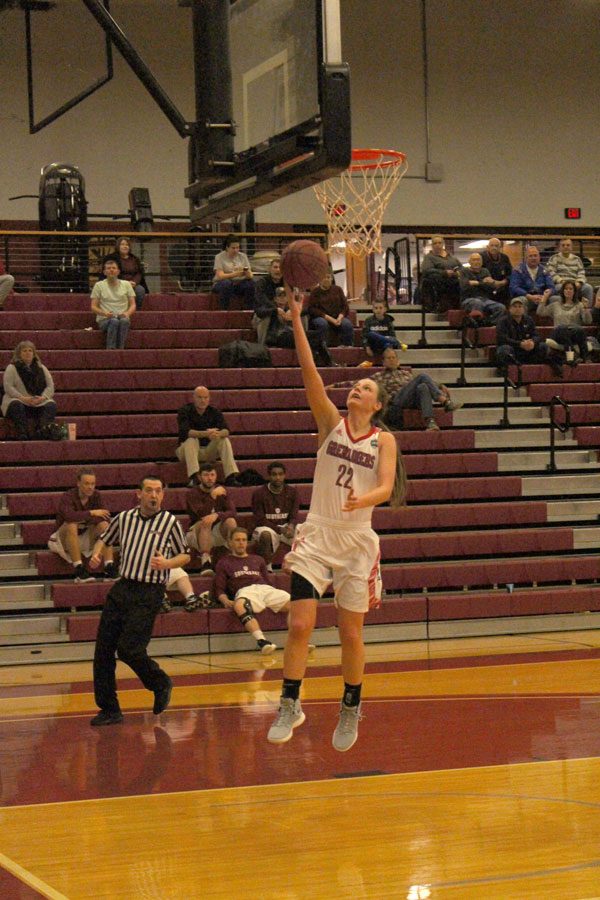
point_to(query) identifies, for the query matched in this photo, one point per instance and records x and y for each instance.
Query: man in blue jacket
(531, 281)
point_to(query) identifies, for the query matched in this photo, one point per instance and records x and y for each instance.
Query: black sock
(351, 694)
(291, 688)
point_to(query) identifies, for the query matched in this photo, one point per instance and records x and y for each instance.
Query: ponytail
(399, 490)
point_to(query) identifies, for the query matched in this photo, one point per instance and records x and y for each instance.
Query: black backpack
(244, 355)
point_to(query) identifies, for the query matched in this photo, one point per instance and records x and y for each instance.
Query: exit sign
(573, 212)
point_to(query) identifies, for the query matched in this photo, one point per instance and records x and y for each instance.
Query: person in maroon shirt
(80, 520)
(275, 511)
(242, 585)
(212, 516)
(328, 312)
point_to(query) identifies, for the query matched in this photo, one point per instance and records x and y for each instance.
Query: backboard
(289, 100)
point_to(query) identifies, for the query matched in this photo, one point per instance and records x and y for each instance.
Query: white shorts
(174, 576)
(347, 558)
(86, 543)
(263, 596)
(276, 537)
(217, 538)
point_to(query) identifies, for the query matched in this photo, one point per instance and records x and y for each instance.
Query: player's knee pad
(247, 614)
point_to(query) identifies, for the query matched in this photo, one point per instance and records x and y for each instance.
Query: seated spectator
(81, 519)
(328, 312)
(131, 269)
(204, 437)
(518, 342)
(378, 331)
(569, 314)
(212, 516)
(531, 281)
(242, 585)
(7, 283)
(565, 266)
(439, 286)
(275, 327)
(266, 289)
(500, 268)
(275, 511)
(476, 289)
(28, 393)
(233, 275)
(113, 302)
(408, 391)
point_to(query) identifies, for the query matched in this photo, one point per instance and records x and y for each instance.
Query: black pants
(126, 628)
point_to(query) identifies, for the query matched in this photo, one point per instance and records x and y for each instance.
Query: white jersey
(344, 463)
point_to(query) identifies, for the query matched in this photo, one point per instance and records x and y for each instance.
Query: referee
(151, 542)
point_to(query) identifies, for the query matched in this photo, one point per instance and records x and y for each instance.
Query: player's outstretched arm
(325, 413)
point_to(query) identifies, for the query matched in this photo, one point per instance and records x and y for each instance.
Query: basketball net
(354, 201)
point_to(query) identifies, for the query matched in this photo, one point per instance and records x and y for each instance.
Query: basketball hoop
(355, 201)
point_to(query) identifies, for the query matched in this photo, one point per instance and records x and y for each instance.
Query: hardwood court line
(518, 679)
(352, 780)
(30, 879)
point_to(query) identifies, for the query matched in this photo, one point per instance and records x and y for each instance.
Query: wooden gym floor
(476, 774)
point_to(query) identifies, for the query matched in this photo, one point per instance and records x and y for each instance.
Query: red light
(573, 212)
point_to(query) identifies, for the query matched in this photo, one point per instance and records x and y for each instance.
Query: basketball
(304, 264)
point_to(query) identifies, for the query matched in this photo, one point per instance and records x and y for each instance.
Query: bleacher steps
(586, 538)
(10, 533)
(28, 629)
(526, 437)
(566, 485)
(17, 564)
(19, 594)
(514, 625)
(565, 459)
(492, 415)
(435, 337)
(568, 510)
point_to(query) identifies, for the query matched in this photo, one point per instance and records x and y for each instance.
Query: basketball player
(357, 468)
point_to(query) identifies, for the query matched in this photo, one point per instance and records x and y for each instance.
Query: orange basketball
(304, 264)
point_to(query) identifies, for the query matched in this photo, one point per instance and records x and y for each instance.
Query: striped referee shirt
(141, 538)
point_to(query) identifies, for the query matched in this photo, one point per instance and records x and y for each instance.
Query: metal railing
(515, 385)
(555, 426)
(70, 262)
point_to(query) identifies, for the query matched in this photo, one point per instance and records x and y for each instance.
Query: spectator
(212, 516)
(378, 330)
(274, 327)
(565, 266)
(531, 281)
(204, 437)
(81, 519)
(232, 274)
(500, 268)
(569, 314)
(328, 312)
(28, 393)
(242, 585)
(476, 289)
(266, 290)
(131, 269)
(275, 511)
(7, 282)
(518, 342)
(439, 277)
(113, 301)
(408, 391)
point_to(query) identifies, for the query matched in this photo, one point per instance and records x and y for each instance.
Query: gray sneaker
(346, 733)
(290, 715)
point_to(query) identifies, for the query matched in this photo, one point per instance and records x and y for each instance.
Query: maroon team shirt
(71, 509)
(199, 503)
(235, 572)
(275, 510)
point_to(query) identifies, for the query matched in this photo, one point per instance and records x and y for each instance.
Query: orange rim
(363, 160)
